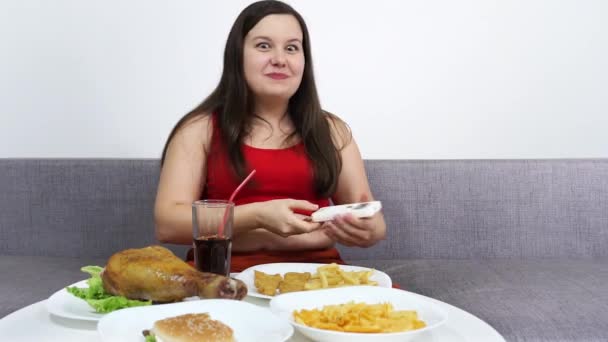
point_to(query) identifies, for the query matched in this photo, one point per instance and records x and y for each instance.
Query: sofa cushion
(461, 209)
(532, 300)
(76, 207)
(29, 279)
(433, 209)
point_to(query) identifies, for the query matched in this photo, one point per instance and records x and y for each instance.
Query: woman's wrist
(246, 218)
(256, 211)
(379, 232)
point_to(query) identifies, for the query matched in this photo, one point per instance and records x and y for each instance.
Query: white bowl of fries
(363, 313)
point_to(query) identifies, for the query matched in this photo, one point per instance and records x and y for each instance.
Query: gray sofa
(522, 244)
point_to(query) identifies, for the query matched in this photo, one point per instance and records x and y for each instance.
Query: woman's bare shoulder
(194, 130)
(340, 131)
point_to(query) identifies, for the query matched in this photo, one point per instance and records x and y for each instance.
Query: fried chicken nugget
(293, 282)
(267, 283)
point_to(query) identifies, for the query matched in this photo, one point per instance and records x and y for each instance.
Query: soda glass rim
(214, 203)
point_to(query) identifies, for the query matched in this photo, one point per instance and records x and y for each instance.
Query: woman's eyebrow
(270, 39)
(262, 37)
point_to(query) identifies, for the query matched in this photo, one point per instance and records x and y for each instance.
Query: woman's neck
(271, 126)
(271, 110)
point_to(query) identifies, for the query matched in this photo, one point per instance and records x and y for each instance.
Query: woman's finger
(328, 231)
(342, 236)
(361, 233)
(357, 223)
(302, 226)
(303, 217)
(302, 205)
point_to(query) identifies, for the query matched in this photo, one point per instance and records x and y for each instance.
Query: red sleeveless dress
(280, 173)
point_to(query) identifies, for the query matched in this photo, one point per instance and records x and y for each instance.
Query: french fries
(327, 276)
(332, 276)
(360, 318)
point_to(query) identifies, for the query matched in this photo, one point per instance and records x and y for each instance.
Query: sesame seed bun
(191, 328)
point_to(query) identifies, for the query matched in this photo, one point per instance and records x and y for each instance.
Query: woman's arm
(353, 187)
(182, 180)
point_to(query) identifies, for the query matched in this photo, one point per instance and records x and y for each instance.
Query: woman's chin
(276, 90)
(275, 95)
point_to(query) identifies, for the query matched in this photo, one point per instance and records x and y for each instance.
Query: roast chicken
(155, 273)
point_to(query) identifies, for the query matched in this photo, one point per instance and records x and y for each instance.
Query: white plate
(248, 275)
(249, 322)
(64, 304)
(285, 304)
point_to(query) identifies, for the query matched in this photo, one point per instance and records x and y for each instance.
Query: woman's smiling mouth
(277, 76)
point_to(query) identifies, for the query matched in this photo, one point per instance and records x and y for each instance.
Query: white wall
(414, 79)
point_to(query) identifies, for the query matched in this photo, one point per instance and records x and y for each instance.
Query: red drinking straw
(236, 191)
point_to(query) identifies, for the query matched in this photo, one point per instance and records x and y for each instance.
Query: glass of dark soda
(212, 235)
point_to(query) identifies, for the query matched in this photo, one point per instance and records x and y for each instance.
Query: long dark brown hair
(232, 101)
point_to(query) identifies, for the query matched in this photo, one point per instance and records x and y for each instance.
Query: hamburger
(189, 328)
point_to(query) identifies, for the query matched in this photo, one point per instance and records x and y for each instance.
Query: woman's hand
(351, 231)
(278, 216)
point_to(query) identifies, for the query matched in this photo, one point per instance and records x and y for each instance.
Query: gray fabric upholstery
(434, 209)
(29, 279)
(490, 208)
(75, 208)
(524, 299)
(522, 244)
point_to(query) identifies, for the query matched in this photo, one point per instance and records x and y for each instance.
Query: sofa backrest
(434, 209)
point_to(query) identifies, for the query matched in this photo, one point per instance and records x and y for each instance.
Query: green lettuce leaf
(95, 289)
(113, 303)
(98, 298)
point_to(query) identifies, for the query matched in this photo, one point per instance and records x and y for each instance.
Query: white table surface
(34, 323)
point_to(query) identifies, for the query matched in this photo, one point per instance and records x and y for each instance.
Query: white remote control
(360, 210)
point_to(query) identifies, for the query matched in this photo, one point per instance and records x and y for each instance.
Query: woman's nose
(278, 59)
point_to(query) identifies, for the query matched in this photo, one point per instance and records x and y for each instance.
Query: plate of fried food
(218, 320)
(356, 314)
(269, 280)
(139, 277)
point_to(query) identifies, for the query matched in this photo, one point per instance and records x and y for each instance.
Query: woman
(265, 115)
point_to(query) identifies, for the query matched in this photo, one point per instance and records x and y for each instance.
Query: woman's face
(273, 57)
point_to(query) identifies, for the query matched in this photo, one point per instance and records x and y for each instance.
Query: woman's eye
(293, 48)
(263, 46)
